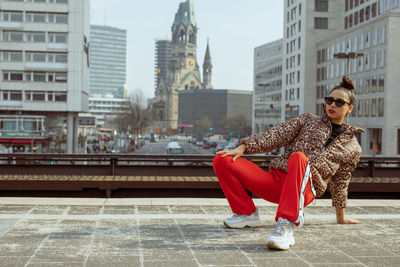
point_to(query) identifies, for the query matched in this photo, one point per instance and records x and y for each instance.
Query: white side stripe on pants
(307, 176)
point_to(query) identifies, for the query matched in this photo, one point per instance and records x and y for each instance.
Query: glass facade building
(107, 60)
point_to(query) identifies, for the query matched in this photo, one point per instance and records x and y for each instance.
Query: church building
(177, 68)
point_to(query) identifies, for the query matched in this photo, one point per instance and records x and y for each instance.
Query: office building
(107, 60)
(267, 86)
(217, 105)
(44, 54)
(367, 50)
(106, 108)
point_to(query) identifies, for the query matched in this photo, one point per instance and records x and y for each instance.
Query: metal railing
(121, 164)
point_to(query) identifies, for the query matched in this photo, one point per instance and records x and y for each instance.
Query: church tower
(182, 69)
(207, 69)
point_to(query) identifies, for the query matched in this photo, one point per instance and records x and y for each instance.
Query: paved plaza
(188, 232)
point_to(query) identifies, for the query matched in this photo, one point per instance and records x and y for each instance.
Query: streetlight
(348, 56)
(263, 85)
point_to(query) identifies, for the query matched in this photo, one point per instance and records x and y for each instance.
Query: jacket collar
(347, 127)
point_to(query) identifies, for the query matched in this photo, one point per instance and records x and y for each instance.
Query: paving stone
(231, 258)
(64, 256)
(280, 262)
(6, 225)
(57, 264)
(7, 261)
(170, 263)
(327, 256)
(107, 260)
(187, 209)
(379, 261)
(152, 209)
(57, 210)
(84, 210)
(15, 209)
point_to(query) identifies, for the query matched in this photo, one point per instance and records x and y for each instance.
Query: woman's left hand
(341, 219)
(348, 221)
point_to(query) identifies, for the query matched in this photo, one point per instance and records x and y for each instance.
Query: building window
(16, 96)
(351, 21)
(321, 23)
(367, 12)
(355, 18)
(321, 5)
(59, 38)
(39, 77)
(35, 37)
(373, 107)
(366, 108)
(11, 16)
(15, 76)
(367, 39)
(383, 34)
(60, 97)
(38, 96)
(381, 83)
(13, 36)
(11, 56)
(373, 10)
(46, 18)
(361, 14)
(359, 107)
(36, 17)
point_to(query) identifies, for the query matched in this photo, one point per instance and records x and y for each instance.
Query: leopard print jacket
(308, 133)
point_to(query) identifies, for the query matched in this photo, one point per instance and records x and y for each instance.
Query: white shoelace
(282, 226)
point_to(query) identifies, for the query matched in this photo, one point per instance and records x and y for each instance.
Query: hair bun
(347, 83)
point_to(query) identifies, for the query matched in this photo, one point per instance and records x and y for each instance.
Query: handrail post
(371, 165)
(113, 165)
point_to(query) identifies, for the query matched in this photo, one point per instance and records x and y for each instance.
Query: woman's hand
(236, 153)
(348, 221)
(341, 219)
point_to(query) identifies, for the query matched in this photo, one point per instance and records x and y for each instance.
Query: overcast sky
(235, 28)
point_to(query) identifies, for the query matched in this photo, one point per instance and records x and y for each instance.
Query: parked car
(231, 146)
(174, 148)
(206, 145)
(199, 143)
(219, 148)
(213, 144)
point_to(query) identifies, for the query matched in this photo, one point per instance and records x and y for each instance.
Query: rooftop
(188, 232)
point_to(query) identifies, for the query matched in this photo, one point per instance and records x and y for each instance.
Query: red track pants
(274, 186)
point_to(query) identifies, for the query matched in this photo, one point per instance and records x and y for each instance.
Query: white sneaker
(243, 220)
(282, 238)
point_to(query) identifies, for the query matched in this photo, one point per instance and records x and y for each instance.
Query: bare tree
(203, 126)
(137, 116)
(237, 125)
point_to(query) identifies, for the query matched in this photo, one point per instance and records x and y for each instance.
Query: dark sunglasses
(338, 102)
